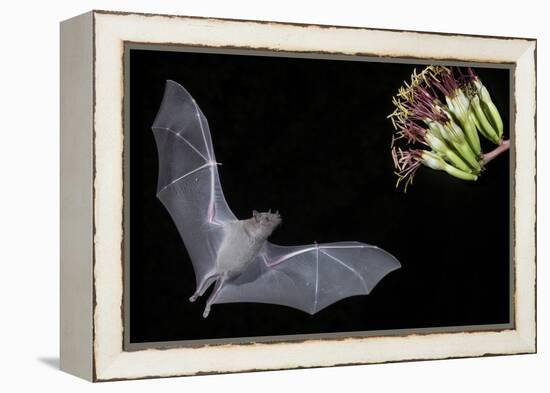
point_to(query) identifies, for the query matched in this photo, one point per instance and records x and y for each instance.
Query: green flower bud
(453, 134)
(490, 136)
(485, 126)
(448, 154)
(434, 161)
(490, 109)
(459, 106)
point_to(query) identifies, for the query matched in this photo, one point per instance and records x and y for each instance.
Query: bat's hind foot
(212, 298)
(203, 286)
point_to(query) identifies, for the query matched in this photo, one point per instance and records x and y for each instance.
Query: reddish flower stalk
(503, 147)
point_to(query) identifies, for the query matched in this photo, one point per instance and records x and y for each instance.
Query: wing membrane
(188, 181)
(310, 277)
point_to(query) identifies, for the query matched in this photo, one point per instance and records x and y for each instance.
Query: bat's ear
(256, 215)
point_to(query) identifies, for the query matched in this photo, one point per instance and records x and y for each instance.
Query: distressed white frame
(109, 361)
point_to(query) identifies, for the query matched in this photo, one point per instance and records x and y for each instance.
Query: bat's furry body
(235, 254)
(243, 242)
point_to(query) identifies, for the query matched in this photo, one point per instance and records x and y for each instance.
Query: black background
(311, 138)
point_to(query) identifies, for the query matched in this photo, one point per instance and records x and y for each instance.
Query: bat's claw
(206, 312)
(193, 298)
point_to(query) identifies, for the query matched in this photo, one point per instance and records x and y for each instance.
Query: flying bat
(235, 255)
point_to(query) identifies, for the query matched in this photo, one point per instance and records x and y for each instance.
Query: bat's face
(266, 222)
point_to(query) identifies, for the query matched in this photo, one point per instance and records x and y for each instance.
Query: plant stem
(503, 147)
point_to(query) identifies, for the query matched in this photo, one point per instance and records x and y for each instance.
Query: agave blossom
(438, 118)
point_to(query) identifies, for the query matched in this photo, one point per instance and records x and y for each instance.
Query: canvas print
(269, 194)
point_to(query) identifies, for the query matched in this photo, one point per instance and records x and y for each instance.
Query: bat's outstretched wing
(311, 277)
(188, 181)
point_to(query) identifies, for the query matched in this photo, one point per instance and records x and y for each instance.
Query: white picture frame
(92, 196)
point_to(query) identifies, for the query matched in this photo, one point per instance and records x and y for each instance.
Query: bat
(234, 255)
